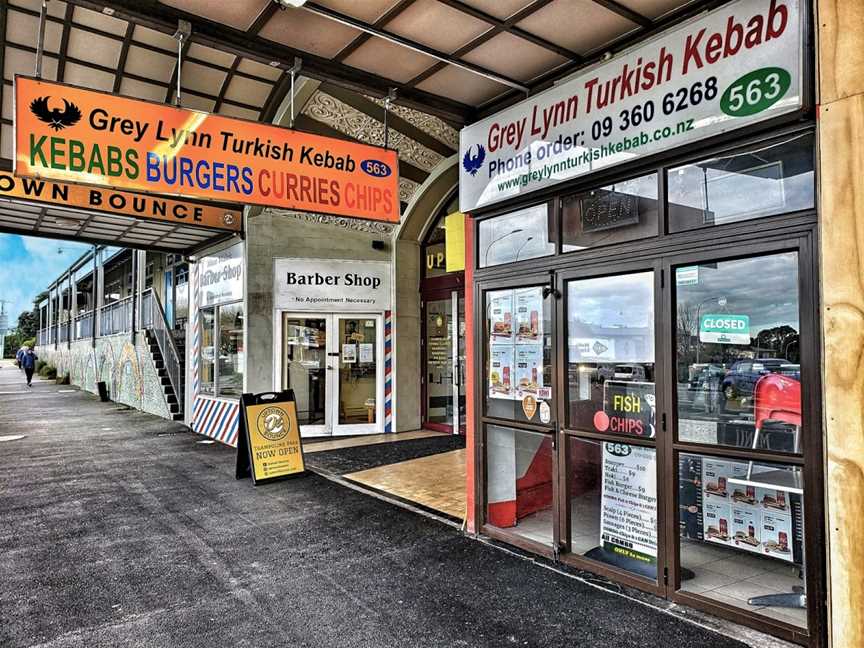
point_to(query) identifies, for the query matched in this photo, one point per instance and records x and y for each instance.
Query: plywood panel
(436, 482)
(842, 258)
(841, 49)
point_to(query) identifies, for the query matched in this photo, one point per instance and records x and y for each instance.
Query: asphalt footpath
(118, 528)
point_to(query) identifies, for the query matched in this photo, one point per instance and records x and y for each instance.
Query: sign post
(269, 447)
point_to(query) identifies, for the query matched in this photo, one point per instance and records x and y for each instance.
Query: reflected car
(740, 380)
(629, 372)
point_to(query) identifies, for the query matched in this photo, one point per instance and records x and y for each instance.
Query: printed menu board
(501, 316)
(516, 344)
(501, 371)
(529, 371)
(752, 519)
(529, 316)
(628, 517)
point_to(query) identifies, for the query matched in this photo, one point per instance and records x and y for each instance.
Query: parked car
(740, 380)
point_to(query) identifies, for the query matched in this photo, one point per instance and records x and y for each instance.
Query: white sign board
(628, 516)
(331, 285)
(732, 67)
(221, 277)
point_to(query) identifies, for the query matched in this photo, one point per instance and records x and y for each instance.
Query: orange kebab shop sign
(72, 134)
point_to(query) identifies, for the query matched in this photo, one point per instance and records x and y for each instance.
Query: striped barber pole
(196, 332)
(217, 419)
(388, 371)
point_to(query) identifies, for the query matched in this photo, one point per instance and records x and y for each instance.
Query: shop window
(610, 354)
(518, 236)
(738, 353)
(208, 351)
(623, 211)
(519, 483)
(222, 353)
(742, 535)
(230, 376)
(612, 491)
(764, 180)
(519, 355)
(181, 294)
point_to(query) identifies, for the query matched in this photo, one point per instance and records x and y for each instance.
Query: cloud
(28, 265)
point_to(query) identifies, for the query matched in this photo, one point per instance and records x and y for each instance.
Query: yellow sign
(274, 440)
(454, 238)
(529, 406)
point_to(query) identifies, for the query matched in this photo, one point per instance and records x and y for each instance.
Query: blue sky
(28, 265)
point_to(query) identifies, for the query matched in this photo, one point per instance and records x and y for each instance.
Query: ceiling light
(66, 222)
(108, 11)
(293, 4)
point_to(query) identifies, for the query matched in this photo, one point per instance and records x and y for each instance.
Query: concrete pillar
(841, 240)
(100, 296)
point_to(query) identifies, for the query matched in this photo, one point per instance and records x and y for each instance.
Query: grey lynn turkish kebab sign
(332, 285)
(720, 71)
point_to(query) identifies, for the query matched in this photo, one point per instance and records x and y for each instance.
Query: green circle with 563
(755, 91)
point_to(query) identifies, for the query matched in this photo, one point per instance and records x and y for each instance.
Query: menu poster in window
(501, 372)
(757, 520)
(529, 316)
(349, 353)
(501, 316)
(746, 528)
(717, 522)
(628, 517)
(529, 371)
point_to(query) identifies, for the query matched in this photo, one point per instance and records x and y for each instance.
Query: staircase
(174, 406)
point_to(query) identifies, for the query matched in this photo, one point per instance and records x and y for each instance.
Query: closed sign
(724, 329)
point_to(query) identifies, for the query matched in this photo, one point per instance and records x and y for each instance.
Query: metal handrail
(116, 317)
(158, 323)
(82, 325)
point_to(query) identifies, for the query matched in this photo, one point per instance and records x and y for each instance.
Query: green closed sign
(724, 328)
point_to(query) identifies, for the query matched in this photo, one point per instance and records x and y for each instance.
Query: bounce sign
(81, 136)
(729, 68)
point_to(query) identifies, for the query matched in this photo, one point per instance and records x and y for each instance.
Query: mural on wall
(126, 369)
(128, 379)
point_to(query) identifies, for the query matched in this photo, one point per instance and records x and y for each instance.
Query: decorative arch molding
(427, 201)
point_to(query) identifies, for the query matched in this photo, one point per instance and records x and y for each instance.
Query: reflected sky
(515, 237)
(763, 288)
(624, 300)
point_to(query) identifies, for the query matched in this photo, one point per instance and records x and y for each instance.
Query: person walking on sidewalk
(20, 355)
(28, 363)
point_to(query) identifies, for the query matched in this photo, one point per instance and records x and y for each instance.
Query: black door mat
(349, 460)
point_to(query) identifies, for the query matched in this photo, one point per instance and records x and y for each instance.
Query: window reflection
(230, 382)
(624, 211)
(738, 353)
(515, 237)
(770, 179)
(610, 340)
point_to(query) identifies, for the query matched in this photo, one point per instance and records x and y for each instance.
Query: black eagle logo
(56, 119)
